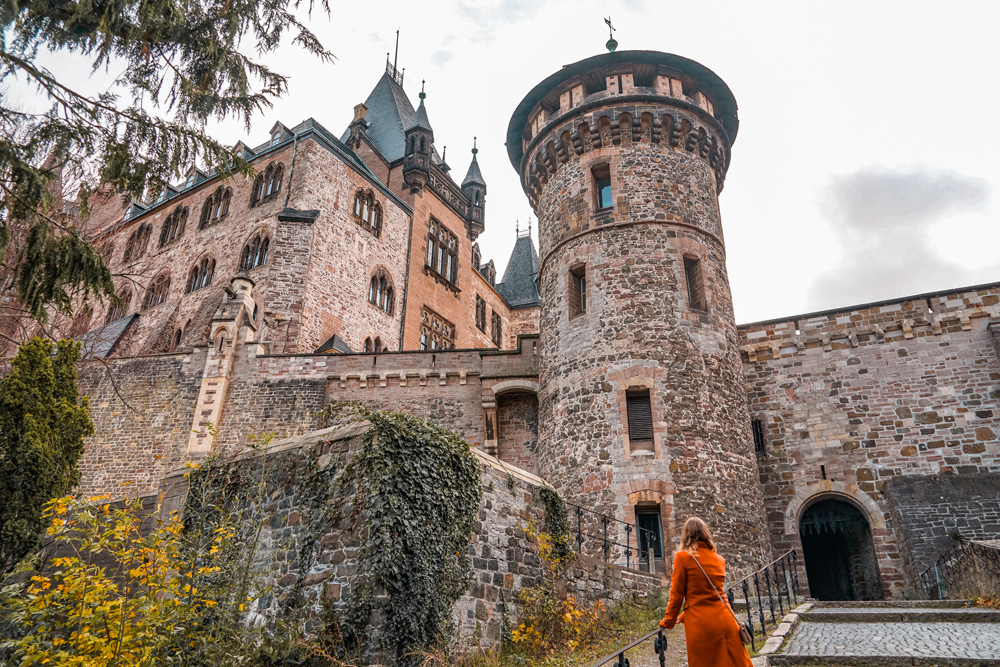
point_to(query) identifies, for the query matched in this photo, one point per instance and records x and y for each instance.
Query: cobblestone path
(923, 639)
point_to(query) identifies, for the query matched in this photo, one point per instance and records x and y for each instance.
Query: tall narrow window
(695, 284)
(577, 292)
(480, 313)
(442, 252)
(640, 419)
(496, 334)
(757, 426)
(602, 186)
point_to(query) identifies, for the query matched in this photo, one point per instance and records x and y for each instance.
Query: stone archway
(838, 551)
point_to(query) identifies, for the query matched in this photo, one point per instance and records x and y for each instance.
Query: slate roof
(334, 344)
(389, 113)
(474, 176)
(520, 280)
(100, 343)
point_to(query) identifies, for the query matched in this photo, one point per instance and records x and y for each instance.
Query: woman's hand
(663, 624)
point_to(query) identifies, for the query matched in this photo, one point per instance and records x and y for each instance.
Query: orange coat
(712, 634)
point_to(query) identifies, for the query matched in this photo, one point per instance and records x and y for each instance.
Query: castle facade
(608, 362)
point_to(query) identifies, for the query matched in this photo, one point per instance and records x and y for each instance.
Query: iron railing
(968, 569)
(659, 646)
(597, 528)
(783, 574)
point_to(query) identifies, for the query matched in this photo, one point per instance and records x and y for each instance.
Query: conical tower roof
(420, 120)
(520, 286)
(474, 177)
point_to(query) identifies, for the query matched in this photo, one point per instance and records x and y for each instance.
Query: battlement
(909, 317)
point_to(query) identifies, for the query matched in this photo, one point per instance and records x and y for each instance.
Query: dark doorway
(838, 552)
(650, 536)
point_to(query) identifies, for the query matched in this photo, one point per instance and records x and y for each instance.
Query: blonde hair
(695, 530)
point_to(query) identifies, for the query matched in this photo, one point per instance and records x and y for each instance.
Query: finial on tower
(422, 94)
(474, 149)
(612, 43)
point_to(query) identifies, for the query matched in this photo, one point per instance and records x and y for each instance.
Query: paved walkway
(892, 636)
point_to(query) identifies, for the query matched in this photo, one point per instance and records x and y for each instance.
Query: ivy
(417, 492)
(556, 521)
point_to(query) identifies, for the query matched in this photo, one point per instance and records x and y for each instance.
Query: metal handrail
(659, 646)
(953, 563)
(607, 543)
(789, 587)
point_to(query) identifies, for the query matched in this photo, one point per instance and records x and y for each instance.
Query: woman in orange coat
(711, 630)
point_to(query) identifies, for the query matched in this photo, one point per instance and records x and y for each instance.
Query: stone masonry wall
(931, 512)
(142, 409)
(851, 399)
(501, 552)
(517, 429)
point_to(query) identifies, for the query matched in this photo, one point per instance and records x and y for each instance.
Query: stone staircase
(945, 634)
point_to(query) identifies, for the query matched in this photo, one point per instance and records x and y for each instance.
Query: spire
(420, 120)
(474, 177)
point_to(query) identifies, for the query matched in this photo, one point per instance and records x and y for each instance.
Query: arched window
(137, 242)
(81, 323)
(206, 214)
(157, 293)
(358, 198)
(254, 252)
(378, 345)
(201, 274)
(380, 292)
(368, 344)
(368, 212)
(175, 342)
(377, 220)
(216, 207)
(257, 192)
(116, 311)
(173, 226)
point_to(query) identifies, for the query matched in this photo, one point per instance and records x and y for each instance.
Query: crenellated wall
(850, 400)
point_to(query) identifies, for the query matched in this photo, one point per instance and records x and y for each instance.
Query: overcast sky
(867, 164)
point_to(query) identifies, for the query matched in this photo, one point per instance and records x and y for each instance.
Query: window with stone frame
(201, 274)
(576, 290)
(117, 310)
(158, 290)
(380, 292)
(601, 175)
(477, 256)
(368, 212)
(496, 332)
(442, 252)
(695, 281)
(368, 344)
(436, 333)
(639, 411)
(216, 207)
(173, 225)
(267, 185)
(480, 313)
(136, 245)
(255, 252)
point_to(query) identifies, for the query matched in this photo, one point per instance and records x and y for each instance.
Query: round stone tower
(642, 405)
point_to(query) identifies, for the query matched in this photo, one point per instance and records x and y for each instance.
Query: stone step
(901, 614)
(911, 604)
(876, 661)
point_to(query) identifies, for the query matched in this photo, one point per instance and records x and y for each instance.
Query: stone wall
(851, 399)
(517, 429)
(142, 410)
(501, 552)
(932, 511)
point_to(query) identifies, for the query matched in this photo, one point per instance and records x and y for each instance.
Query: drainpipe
(406, 284)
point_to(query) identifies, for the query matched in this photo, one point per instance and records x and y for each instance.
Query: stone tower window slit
(759, 445)
(640, 419)
(695, 284)
(577, 292)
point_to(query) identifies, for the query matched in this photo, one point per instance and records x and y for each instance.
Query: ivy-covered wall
(311, 548)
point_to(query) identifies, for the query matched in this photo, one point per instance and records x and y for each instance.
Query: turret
(474, 188)
(642, 411)
(419, 148)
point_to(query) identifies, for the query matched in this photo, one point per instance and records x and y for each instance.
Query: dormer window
(275, 138)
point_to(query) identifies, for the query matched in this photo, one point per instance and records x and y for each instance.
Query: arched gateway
(839, 553)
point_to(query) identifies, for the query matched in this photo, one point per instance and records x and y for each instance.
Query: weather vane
(612, 44)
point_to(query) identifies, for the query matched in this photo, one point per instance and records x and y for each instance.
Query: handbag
(745, 635)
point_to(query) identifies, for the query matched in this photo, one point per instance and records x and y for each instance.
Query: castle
(608, 362)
